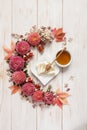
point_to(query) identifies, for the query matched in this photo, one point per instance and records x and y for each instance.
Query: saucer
(44, 78)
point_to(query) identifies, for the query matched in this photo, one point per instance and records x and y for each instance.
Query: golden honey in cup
(64, 57)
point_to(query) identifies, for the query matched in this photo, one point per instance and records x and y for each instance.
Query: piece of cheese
(41, 69)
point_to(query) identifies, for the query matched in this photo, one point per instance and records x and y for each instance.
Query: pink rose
(38, 96)
(16, 63)
(18, 77)
(34, 39)
(22, 47)
(48, 98)
(28, 89)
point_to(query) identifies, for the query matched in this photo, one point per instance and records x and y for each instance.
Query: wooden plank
(50, 14)
(18, 17)
(24, 15)
(75, 24)
(5, 98)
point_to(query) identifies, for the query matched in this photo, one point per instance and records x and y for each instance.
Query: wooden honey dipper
(48, 66)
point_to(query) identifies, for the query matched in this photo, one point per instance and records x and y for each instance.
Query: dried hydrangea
(45, 33)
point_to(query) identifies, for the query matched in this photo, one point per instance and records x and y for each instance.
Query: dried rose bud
(37, 86)
(40, 48)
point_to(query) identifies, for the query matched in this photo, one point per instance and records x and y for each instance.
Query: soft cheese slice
(51, 71)
(41, 69)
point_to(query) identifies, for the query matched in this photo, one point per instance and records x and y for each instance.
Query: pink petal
(8, 56)
(7, 50)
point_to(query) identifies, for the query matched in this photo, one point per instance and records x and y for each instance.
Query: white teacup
(66, 64)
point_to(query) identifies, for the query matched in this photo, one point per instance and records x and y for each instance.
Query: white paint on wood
(50, 14)
(18, 17)
(75, 24)
(24, 16)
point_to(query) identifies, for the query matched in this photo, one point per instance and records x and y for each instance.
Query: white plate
(44, 79)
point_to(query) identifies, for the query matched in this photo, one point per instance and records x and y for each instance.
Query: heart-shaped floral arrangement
(18, 57)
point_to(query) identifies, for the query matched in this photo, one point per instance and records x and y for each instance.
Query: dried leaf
(64, 101)
(63, 95)
(9, 51)
(15, 89)
(57, 102)
(58, 34)
(12, 46)
(59, 31)
(8, 56)
(58, 91)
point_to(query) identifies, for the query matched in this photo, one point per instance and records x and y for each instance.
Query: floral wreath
(18, 57)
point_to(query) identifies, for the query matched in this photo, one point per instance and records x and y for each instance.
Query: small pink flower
(28, 89)
(22, 47)
(34, 39)
(48, 98)
(16, 63)
(38, 96)
(18, 77)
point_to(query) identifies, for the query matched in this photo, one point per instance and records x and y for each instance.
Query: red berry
(30, 55)
(37, 86)
(25, 58)
(29, 79)
(40, 48)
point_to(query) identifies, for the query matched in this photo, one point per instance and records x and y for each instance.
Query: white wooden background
(17, 16)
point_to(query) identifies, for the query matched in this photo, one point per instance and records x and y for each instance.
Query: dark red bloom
(48, 98)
